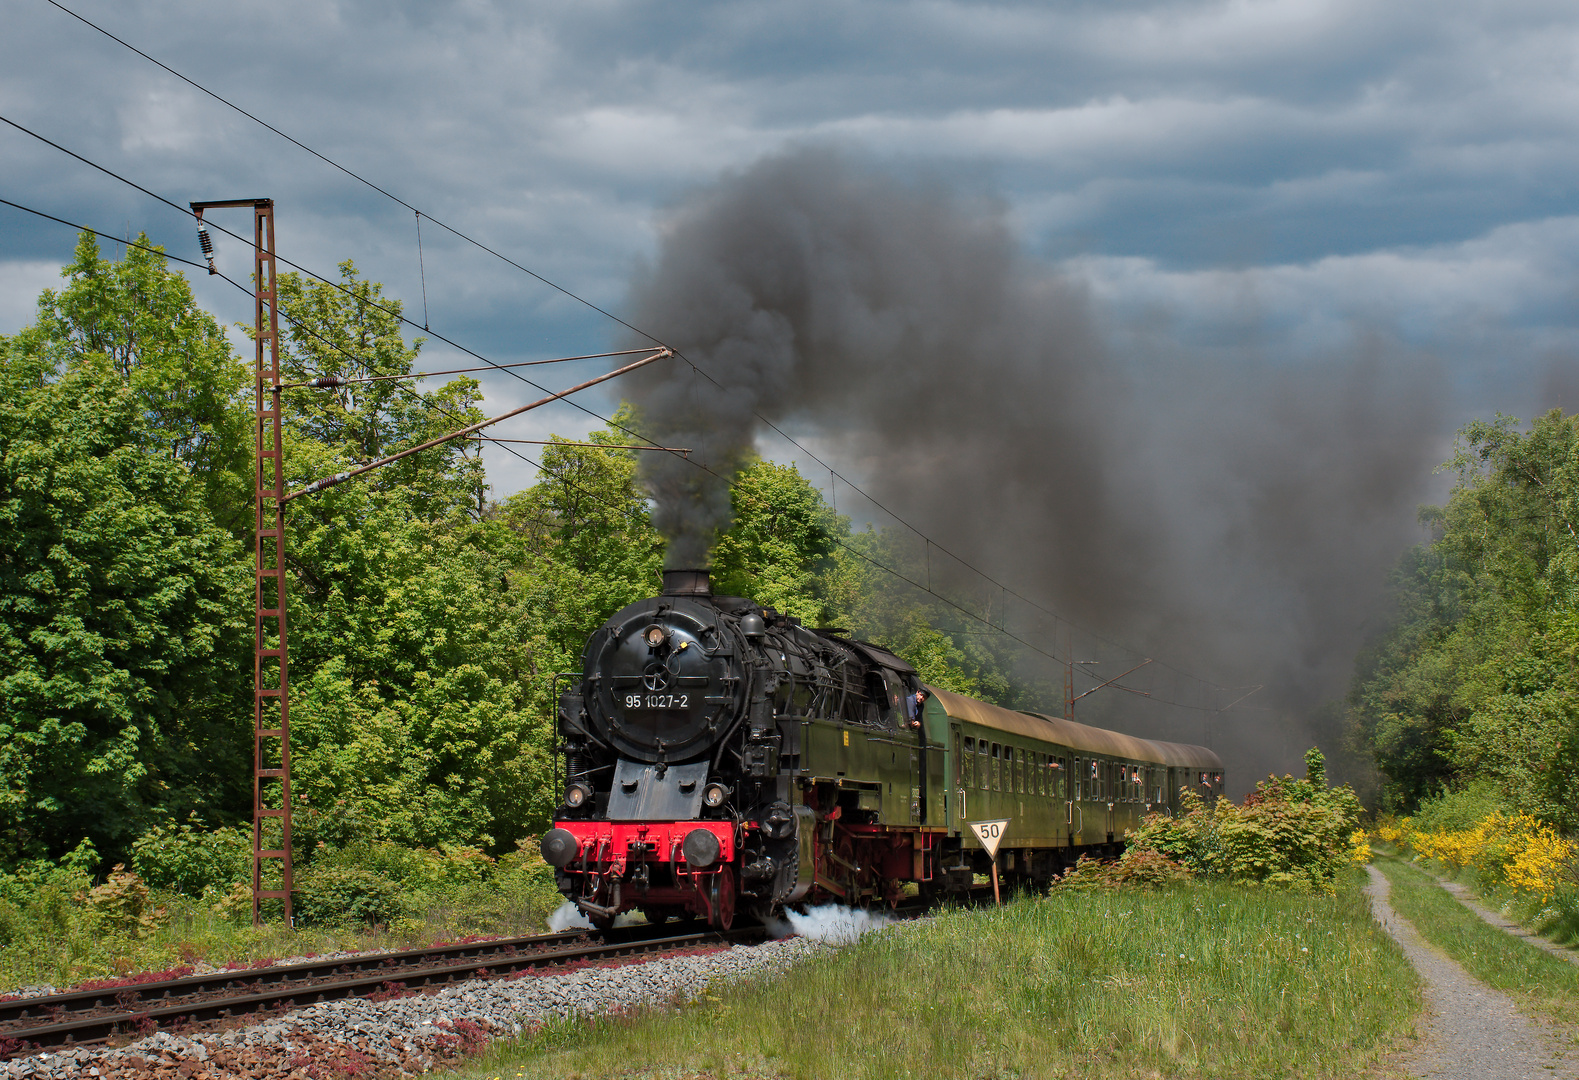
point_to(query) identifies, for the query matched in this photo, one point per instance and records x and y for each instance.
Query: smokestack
(687, 583)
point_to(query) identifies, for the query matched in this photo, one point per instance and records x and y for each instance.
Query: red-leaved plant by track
(137, 980)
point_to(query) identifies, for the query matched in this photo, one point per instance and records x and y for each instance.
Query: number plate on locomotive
(657, 701)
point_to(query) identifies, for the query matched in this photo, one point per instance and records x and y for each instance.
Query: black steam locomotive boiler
(718, 757)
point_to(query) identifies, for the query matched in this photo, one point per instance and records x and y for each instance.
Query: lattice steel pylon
(271, 744)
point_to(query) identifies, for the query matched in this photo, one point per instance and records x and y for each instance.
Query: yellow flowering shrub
(1538, 857)
(1520, 851)
(1393, 830)
(1360, 847)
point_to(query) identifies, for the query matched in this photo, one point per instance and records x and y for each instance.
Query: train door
(960, 778)
(1076, 815)
(1109, 796)
(1067, 795)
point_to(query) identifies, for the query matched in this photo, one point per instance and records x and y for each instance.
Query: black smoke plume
(1231, 513)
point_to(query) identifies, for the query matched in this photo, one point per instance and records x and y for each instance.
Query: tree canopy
(1476, 680)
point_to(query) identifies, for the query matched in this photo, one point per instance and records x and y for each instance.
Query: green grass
(1204, 981)
(63, 945)
(1539, 983)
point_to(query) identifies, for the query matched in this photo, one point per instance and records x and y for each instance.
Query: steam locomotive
(719, 758)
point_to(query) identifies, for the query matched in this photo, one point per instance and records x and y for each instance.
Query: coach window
(1041, 774)
(997, 771)
(982, 780)
(1058, 776)
(1019, 771)
(966, 767)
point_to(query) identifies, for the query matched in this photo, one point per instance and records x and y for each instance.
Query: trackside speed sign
(990, 833)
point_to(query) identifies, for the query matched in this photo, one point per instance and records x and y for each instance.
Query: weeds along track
(32, 1025)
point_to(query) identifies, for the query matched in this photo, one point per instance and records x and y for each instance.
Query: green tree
(141, 318)
(779, 548)
(1478, 677)
(351, 331)
(122, 614)
(411, 714)
(589, 544)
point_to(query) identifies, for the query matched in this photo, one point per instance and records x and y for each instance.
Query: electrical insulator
(204, 242)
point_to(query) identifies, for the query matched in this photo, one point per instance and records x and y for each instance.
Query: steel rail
(55, 1032)
(104, 997)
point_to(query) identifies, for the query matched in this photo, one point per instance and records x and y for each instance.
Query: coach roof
(1081, 737)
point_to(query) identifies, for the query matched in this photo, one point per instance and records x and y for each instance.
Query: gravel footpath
(1467, 898)
(408, 1035)
(1472, 1032)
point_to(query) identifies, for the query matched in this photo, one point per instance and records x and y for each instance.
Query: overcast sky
(1293, 170)
(1288, 180)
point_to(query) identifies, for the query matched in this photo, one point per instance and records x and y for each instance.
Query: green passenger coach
(1065, 788)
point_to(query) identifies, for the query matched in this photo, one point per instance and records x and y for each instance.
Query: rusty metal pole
(270, 722)
(271, 662)
(270, 655)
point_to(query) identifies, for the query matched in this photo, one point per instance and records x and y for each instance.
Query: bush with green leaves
(192, 860)
(370, 883)
(1138, 867)
(42, 899)
(1292, 833)
(1457, 811)
(345, 896)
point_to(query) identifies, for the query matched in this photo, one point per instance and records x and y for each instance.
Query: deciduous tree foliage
(121, 598)
(1477, 678)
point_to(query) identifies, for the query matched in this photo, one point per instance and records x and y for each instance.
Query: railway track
(33, 1025)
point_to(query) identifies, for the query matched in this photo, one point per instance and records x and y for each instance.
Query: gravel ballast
(411, 1034)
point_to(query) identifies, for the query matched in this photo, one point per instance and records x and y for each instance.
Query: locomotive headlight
(576, 796)
(655, 636)
(715, 795)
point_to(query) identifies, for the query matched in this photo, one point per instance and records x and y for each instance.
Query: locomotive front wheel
(658, 914)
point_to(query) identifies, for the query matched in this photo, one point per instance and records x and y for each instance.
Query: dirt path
(1467, 898)
(1471, 1032)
